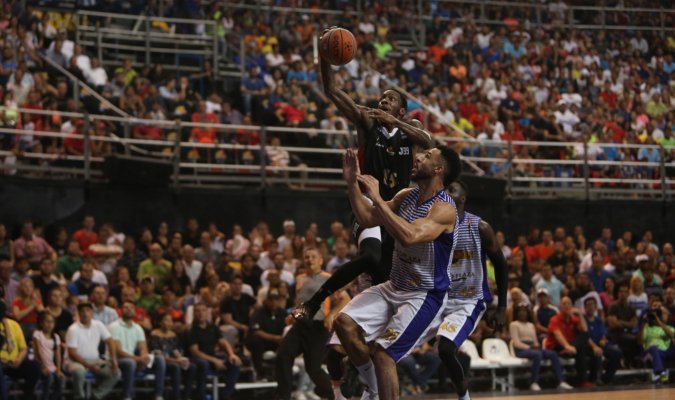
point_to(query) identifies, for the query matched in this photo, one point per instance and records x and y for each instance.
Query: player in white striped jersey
(390, 319)
(469, 294)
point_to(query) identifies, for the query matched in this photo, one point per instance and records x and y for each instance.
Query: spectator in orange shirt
(457, 71)
(437, 51)
(546, 248)
(86, 236)
(202, 134)
(525, 249)
(568, 335)
(480, 118)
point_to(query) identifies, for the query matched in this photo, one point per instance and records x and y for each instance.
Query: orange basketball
(338, 46)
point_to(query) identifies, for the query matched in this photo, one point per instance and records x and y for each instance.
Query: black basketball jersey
(388, 157)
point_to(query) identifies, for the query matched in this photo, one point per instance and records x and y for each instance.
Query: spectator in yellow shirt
(13, 360)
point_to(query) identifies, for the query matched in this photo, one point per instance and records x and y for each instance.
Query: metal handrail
(152, 18)
(211, 173)
(78, 82)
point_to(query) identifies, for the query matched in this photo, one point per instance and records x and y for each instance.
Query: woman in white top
(637, 297)
(526, 345)
(47, 350)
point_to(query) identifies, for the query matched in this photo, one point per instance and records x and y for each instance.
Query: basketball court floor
(605, 393)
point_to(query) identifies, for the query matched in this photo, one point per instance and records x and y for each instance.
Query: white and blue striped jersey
(468, 272)
(423, 266)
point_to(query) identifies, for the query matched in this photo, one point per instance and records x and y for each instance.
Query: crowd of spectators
(515, 80)
(185, 303)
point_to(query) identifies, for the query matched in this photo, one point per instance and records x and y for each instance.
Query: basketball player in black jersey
(388, 140)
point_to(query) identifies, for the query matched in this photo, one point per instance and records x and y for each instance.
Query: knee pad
(447, 348)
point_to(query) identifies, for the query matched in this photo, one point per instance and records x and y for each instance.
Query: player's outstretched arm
(343, 102)
(362, 209)
(494, 253)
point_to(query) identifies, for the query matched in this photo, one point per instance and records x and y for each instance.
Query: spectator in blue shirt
(543, 312)
(597, 332)
(606, 239)
(597, 274)
(253, 90)
(649, 154)
(297, 73)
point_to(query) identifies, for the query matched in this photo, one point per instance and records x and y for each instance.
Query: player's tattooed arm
(494, 253)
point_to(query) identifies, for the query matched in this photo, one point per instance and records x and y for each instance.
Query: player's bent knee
(344, 324)
(446, 348)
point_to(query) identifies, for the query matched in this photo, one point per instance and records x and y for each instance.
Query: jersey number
(468, 291)
(404, 151)
(390, 178)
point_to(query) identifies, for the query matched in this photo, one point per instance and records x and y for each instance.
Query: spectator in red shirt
(617, 131)
(203, 134)
(546, 248)
(608, 96)
(468, 107)
(86, 236)
(74, 145)
(568, 335)
(292, 114)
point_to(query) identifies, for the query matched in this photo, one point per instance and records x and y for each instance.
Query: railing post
(663, 23)
(263, 157)
(87, 150)
(176, 155)
(77, 27)
(76, 92)
(482, 12)
(242, 57)
(586, 172)
(99, 44)
(664, 188)
(216, 47)
(538, 14)
(147, 41)
(509, 182)
(127, 135)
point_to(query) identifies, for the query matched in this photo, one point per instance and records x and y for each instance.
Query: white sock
(337, 393)
(466, 396)
(367, 373)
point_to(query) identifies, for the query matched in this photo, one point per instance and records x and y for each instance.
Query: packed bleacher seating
(168, 287)
(208, 301)
(515, 80)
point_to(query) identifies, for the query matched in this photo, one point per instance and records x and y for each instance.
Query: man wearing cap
(132, 352)
(543, 312)
(289, 232)
(552, 285)
(82, 341)
(266, 330)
